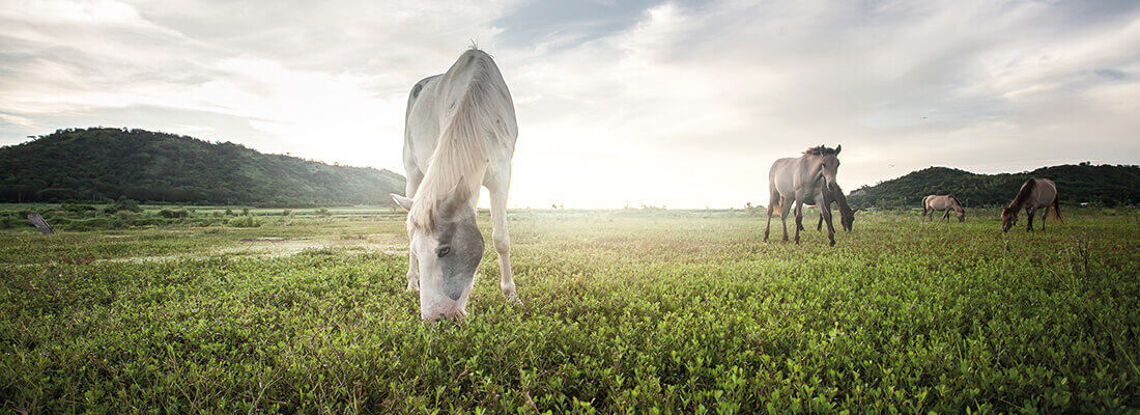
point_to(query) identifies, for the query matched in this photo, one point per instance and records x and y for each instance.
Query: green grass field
(623, 312)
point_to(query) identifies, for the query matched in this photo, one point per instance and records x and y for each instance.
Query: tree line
(1084, 183)
(106, 164)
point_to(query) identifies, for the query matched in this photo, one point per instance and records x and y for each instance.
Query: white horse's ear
(404, 202)
(838, 148)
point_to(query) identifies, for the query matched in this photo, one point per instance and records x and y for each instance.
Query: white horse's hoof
(511, 296)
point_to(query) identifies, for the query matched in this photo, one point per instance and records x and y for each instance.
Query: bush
(78, 209)
(129, 205)
(244, 222)
(174, 214)
(323, 212)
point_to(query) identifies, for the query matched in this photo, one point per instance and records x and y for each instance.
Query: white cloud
(686, 106)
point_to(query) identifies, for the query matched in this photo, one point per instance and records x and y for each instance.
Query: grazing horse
(846, 214)
(936, 203)
(809, 178)
(459, 134)
(1034, 194)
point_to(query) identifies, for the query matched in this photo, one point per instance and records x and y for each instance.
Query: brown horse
(809, 178)
(846, 214)
(1034, 194)
(935, 203)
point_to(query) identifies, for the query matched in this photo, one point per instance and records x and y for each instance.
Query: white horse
(460, 133)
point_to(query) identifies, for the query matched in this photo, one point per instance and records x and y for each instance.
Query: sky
(619, 103)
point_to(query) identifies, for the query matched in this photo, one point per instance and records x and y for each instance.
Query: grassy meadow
(623, 312)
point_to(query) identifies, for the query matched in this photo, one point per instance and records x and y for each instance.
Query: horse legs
(1044, 215)
(769, 226)
(1029, 221)
(773, 201)
(410, 186)
(799, 218)
(825, 215)
(819, 225)
(784, 211)
(499, 234)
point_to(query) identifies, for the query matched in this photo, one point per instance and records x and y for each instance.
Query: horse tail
(1057, 208)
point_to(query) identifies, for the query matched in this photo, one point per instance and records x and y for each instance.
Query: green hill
(96, 164)
(1103, 185)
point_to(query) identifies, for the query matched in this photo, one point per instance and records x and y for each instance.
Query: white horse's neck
(477, 107)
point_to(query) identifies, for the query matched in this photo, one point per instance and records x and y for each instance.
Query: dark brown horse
(846, 214)
(1034, 194)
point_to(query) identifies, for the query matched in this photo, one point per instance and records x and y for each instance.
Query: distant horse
(460, 133)
(1034, 194)
(809, 178)
(937, 203)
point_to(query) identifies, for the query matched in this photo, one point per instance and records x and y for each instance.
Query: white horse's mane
(461, 150)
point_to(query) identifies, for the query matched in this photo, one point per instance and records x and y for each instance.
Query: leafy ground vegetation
(623, 312)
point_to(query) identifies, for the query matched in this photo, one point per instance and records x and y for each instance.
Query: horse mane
(1023, 194)
(461, 151)
(820, 150)
(960, 206)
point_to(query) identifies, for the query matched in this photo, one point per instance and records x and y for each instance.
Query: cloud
(678, 103)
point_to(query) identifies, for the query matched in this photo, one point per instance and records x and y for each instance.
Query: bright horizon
(681, 104)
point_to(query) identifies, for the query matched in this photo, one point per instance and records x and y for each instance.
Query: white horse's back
(442, 100)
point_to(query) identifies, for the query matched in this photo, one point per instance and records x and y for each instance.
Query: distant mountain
(105, 163)
(1103, 185)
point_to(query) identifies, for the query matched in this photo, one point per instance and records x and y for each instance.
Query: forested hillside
(97, 164)
(1103, 185)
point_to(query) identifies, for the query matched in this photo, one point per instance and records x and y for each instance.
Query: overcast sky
(683, 104)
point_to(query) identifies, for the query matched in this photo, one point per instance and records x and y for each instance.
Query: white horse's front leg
(410, 186)
(501, 238)
(413, 276)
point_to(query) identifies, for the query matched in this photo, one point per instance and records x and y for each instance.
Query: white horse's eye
(442, 251)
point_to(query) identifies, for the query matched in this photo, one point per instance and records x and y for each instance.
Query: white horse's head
(446, 244)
